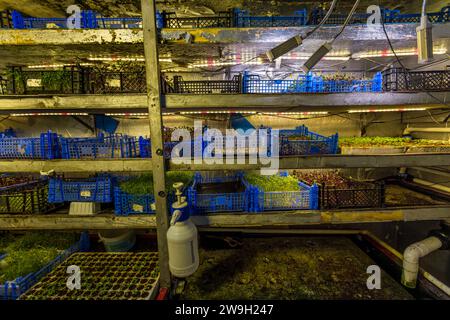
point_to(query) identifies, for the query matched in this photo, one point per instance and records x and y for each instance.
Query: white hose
(412, 256)
(424, 8)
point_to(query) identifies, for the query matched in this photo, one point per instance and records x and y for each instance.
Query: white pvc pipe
(432, 185)
(433, 130)
(412, 256)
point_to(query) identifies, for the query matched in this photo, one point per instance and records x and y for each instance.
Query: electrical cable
(5, 118)
(327, 16)
(330, 11)
(432, 118)
(405, 70)
(347, 21)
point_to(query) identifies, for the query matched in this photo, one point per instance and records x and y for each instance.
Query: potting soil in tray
(104, 276)
(397, 196)
(287, 269)
(216, 188)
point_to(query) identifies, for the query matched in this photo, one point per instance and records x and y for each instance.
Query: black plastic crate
(68, 80)
(207, 86)
(101, 82)
(29, 198)
(219, 20)
(358, 195)
(398, 79)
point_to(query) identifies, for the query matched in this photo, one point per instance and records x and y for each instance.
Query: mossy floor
(287, 269)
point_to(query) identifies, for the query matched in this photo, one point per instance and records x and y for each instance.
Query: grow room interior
(359, 140)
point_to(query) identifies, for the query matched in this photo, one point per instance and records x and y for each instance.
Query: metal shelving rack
(155, 104)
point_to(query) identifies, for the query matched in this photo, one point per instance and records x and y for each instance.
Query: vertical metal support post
(155, 116)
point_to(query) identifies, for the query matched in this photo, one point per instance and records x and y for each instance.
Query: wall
(347, 125)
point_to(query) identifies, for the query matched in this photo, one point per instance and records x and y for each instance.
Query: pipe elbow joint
(412, 254)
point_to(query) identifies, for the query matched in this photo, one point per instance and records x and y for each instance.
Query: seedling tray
(348, 193)
(215, 188)
(219, 194)
(104, 276)
(12, 290)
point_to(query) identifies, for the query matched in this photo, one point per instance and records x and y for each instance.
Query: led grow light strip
(387, 110)
(48, 114)
(143, 114)
(137, 59)
(388, 53)
(318, 113)
(222, 64)
(329, 58)
(217, 112)
(45, 66)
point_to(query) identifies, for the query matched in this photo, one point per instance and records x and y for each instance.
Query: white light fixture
(297, 40)
(425, 37)
(317, 56)
(325, 48)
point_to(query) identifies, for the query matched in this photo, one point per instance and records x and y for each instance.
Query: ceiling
(55, 8)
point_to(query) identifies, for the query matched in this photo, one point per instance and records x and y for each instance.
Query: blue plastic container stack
(12, 290)
(109, 147)
(301, 141)
(44, 147)
(98, 189)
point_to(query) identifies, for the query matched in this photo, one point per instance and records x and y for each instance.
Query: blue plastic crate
(98, 189)
(89, 20)
(243, 19)
(145, 148)
(45, 147)
(118, 23)
(22, 22)
(126, 204)
(12, 290)
(109, 147)
(313, 143)
(306, 198)
(218, 202)
(8, 133)
(310, 83)
(395, 16)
